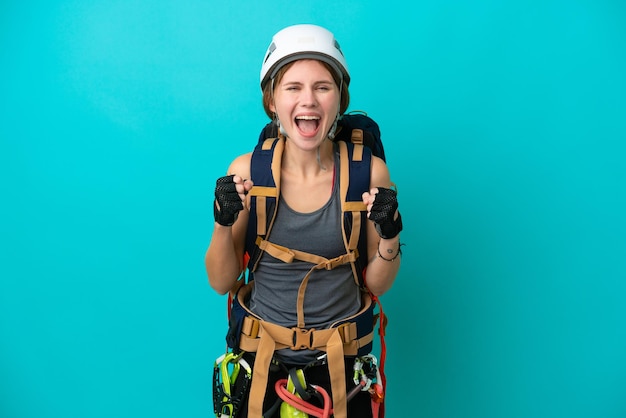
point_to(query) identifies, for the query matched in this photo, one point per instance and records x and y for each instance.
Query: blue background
(504, 125)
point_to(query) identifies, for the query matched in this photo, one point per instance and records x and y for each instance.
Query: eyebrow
(316, 83)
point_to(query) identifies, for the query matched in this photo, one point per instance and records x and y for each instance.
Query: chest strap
(287, 255)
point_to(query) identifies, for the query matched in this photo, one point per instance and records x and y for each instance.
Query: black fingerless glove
(227, 201)
(383, 211)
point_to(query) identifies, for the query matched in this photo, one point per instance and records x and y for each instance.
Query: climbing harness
(231, 380)
(346, 338)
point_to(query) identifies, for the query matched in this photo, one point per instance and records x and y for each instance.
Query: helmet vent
(338, 47)
(270, 50)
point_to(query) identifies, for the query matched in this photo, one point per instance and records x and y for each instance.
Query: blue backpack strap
(355, 173)
(265, 174)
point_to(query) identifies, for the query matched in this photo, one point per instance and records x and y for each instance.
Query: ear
(272, 107)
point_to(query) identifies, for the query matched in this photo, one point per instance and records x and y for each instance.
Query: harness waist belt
(299, 338)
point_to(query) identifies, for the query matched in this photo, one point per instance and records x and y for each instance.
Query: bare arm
(224, 257)
(384, 260)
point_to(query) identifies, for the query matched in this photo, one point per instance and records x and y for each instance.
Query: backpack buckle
(302, 339)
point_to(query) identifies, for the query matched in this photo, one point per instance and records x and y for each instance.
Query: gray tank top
(330, 294)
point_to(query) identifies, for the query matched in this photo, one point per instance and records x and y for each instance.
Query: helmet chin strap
(319, 160)
(333, 129)
(331, 135)
(281, 128)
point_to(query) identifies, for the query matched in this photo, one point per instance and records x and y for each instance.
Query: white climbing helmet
(301, 42)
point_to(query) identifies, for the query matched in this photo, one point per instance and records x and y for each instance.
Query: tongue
(307, 126)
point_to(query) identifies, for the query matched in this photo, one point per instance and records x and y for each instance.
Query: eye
(291, 87)
(324, 87)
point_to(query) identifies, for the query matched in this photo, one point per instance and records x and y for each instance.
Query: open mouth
(307, 124)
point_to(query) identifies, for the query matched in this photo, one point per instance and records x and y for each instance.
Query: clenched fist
(382, 209)
(230, 194)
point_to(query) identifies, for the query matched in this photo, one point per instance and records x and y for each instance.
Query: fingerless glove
(227, 201)
(383, 212)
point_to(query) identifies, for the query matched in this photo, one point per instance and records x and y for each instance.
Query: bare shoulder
(241, 166)
(379, 174)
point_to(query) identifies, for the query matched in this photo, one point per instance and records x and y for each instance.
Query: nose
(308, 97)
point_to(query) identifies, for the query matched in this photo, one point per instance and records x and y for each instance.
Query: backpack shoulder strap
(354, 180)
(265, 173)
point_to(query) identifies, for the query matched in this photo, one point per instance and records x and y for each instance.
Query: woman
(304, 79)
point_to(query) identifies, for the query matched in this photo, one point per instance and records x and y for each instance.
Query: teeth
(307, 117)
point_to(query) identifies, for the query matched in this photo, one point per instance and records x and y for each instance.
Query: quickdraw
(367, 376)
(231, 381)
